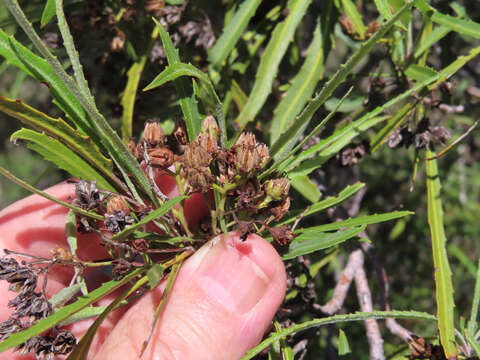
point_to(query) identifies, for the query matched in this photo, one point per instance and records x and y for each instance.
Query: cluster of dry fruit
(204, 166)
(30, 306)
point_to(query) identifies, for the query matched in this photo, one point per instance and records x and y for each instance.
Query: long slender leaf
(330, 146)
(187, 101)
(360, 220)
(396, 120)
(309, 242)
(60, 130)
(333, 83)
(330, 201)
(66, 311)
(155, 214)
(19, 56)
(101, 129)
(34, 190)
(302, 88)
(307, 188)
(443, 275)
(359, 316)
(268, 68)
(80, 352)
(232, 32)
(59, 154)
(48, 12)
(472, 323)
(355, 17)
(178, 69)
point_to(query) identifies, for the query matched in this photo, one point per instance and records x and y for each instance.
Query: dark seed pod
(161, 157)
(153, 134)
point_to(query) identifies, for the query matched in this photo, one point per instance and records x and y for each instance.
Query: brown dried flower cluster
(30, 306)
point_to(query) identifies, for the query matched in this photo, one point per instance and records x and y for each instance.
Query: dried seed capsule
(282, 234)
(199, 179)
(210, 127)
(251, 156)
(63, 343)
(180, 134)
(59, 253)
(117, 203)
(161, 157)
(195, 156)
(208, 142)
(153, 134)
(280, 210)
(277, 189)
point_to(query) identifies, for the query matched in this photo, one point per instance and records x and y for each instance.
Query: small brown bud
(117, 203)
(62, 254)
(118, 42)
(153, 134)
(195, 156)
(161, 157)
(280, 210)
(155, 7)
(208, 142)
(347, 26)
(210, 127)
(277, 189)
(180, 134)
(372, 28)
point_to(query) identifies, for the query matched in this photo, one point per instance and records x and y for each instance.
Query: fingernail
(230, 277)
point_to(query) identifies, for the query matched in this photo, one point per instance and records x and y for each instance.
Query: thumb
(223, 300)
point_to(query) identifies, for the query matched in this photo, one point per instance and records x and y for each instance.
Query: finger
(223, 300)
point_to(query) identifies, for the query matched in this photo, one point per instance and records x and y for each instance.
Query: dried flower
(120, 268)
(118, 41)
(277, 189)
(117, 203)
(280, 210)
(347, 26)
(153, 134)
(281, 234)
(180, 134)
(63, 343)
(244, 229)
(10, 326)
(353, 153)
(161, 157)
(117, 221)
(195, 156)
(372, 28)
(440, 134)
(200, 179)
(87, 196)
(210, 127)
(251, 156)
(422, 139)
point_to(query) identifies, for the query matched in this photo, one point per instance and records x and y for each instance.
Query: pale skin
(223, 300)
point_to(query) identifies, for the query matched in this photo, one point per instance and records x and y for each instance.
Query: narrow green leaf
(434, 37)
(155, 275)
(80, 352)
(359, 220)
(57, 153)
(101, 130)
(337, 79)
(153, 215)
(71, 232)
(178, 69)
(232, 31)
(461, 26)
(66, 311)
(302, 88)
(19, 56)
(238, 96)
(310, 242)
(86, 313)
(395, 121)
(270, 60)
(419, 73)
(472, 323)
(355, 17)
(64, 295)
(34, 190)
(48, 13)
(60, 130)
(443, 275)
(359, 316)
(129, 96)
(330, 146)
(383, 8)
(343, 346)
(330, 201)
(73, 54)
(187, 101)
(307, 188)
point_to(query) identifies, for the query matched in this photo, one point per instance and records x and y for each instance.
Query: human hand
(223, 300)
